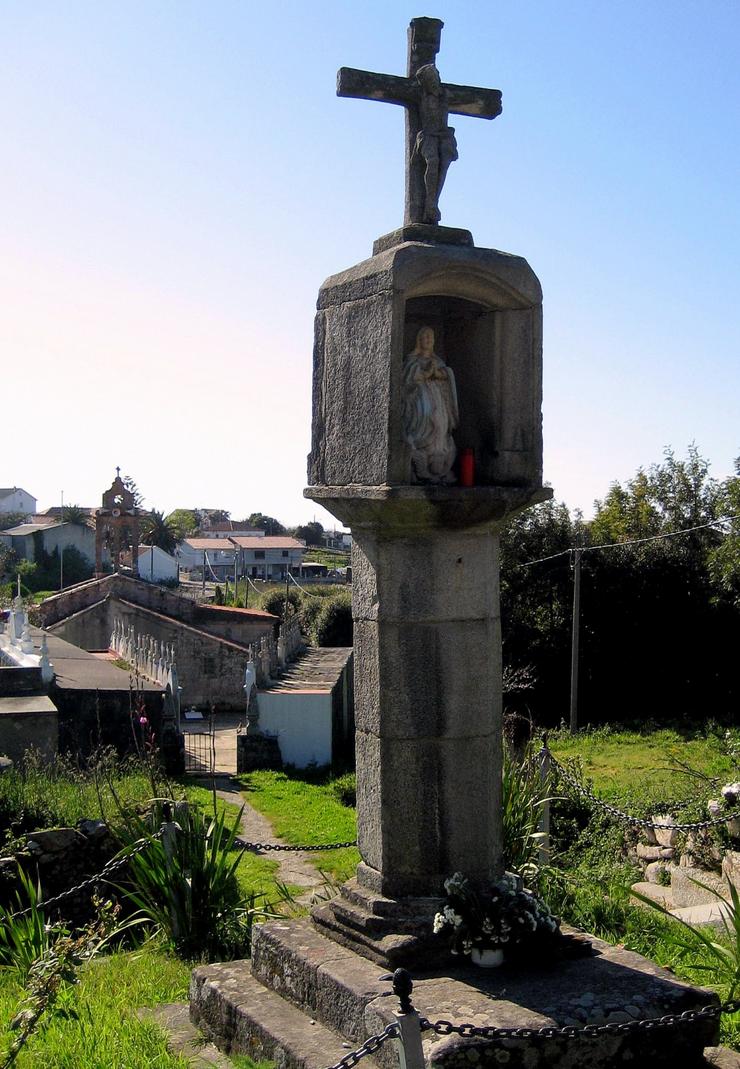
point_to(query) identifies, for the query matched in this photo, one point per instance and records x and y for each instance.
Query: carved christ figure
(435, 142)
(429, 412)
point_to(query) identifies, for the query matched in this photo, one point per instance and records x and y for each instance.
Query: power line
(632, 541)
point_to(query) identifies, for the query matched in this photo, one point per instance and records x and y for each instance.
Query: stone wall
(237, 625)
(28, 722)
(88, 718)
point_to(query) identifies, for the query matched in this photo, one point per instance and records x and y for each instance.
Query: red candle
(467, 467)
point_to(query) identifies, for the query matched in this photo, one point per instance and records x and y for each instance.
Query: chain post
(408, 1039)
(545, 781)
(168, 833)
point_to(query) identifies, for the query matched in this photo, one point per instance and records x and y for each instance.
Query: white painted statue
(430, 413)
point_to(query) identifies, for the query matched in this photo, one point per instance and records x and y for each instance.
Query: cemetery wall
(36, 727)
(209, 668)
(88, 719)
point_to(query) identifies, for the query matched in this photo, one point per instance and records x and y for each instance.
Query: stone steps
(704, 911)
(305, 1001)
(241, 1015)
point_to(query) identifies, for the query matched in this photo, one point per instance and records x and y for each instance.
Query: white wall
(302, 722)
(67, 535)
(19, 501)
(164, 566)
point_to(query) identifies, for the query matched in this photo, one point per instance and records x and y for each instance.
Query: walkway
(294, 869)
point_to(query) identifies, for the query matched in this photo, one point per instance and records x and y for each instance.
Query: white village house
(13, 499)
(259, 557)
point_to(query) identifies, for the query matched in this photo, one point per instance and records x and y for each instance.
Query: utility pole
(204, 573)
(236, 577)
(575, 640)
(61, 547)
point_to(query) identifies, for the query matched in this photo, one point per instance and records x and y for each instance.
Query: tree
(129, 483)
(74, 514)
(212, 515)
(311, 533)
(183, 522)
(268, 524)
(11, 519)
(724, 559)
(158, 531)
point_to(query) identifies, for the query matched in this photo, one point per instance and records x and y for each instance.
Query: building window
(285, 553)
(259, 554)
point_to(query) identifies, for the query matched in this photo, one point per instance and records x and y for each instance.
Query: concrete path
(294, 869)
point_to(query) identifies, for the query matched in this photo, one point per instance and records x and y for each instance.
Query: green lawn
(107, 1033)
(306, 812)
(647, 768)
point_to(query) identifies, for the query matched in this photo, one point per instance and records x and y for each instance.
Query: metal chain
(588, 1031)
(243, 845)
(368, 1047)
(627, 818)
(105, 872)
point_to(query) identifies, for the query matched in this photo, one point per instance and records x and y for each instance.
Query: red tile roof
(268, 542)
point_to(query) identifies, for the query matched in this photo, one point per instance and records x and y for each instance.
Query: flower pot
(487, 959)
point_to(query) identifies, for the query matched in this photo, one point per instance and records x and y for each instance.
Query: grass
(645, 767)
(303, 811)
(107, 1031)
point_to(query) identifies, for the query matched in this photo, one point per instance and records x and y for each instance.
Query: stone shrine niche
(485, 308)
(117, 526)
(490, 353)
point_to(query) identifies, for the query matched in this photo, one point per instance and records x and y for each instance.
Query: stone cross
(430, 142)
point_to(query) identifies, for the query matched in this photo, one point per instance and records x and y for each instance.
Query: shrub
(189, 889)
(274, 602)
(333, 623)
(345, 789)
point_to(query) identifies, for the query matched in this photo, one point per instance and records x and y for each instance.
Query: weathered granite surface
(347, 996)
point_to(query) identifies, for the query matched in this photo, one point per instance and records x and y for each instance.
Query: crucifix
(430, 142)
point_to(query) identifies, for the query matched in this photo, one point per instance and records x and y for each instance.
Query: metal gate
(200, 752)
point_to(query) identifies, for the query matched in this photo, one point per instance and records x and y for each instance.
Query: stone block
(430, 808)
(731, 868)
(665, 836)
(647, 852)
(654, 871)
(686, 889)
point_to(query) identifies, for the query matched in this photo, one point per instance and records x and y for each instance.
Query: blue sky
(178, 179)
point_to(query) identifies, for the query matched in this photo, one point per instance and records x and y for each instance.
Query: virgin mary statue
(429, 412)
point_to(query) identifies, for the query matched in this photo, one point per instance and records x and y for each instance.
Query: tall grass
(186, 884)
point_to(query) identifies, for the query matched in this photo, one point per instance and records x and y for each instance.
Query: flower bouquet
(730, 800)
(500, 918)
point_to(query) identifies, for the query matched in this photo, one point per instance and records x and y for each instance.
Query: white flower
(456, 884)
(731, 792)
(439, 923)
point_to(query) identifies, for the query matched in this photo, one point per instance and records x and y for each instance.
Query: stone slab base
(304, 995)
(425, 232)
(389, 932)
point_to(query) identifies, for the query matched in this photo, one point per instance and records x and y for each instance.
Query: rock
(648, 836)
(655, 870)
(633, 1011)
(5, 764)
(733, 827)
(685, 889)
(618, 1017)
(93, 829)
(667, 852)
(55, 840)
(665, 836)
(648, 853)
(731, 868)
